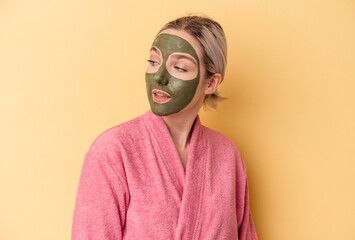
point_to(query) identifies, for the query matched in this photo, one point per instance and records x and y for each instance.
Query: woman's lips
(160, 96)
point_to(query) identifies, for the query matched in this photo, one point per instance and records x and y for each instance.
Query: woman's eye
(153, 63)
(180, 69)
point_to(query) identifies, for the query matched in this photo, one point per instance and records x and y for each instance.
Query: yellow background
(72, 69)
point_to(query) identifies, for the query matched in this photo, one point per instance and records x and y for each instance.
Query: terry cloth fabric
(133, 186)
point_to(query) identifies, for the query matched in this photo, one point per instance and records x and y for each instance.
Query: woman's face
(173, 72)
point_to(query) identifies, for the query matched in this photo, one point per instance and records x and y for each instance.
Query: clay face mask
(172, 79)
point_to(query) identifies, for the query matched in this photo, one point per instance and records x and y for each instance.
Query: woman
(163, 175)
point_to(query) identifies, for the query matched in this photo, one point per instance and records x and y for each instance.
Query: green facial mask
(180, 91)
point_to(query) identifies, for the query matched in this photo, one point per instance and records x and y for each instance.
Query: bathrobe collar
(190, 184)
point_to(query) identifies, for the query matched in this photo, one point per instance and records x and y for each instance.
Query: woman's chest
(205, 198)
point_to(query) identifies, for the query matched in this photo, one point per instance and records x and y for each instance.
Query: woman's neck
(180, 126)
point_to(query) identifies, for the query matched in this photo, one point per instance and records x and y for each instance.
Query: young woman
(163, 175)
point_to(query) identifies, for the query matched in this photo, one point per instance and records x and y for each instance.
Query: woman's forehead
(169, 43)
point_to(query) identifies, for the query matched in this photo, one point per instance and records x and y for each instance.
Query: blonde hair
(213, 42)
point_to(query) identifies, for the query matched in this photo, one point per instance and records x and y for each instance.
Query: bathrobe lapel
(189, 217)
(189, 185)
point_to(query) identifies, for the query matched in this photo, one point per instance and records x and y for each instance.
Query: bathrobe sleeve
(102, 200)
(246, 228)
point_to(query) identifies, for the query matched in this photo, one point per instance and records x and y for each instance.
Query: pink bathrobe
(133, 186)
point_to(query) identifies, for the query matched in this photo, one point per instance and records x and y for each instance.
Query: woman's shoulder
(219, 139)
(113, 137)
(224, 146)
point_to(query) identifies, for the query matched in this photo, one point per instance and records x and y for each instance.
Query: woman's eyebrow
(183, 56)
(154, 49)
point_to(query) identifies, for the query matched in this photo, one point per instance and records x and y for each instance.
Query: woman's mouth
(160, 96)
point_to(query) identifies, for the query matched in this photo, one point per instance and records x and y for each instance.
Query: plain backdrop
(70, 69)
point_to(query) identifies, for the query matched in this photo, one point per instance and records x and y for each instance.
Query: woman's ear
(213, 82)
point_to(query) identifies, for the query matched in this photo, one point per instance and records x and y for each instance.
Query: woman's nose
(162, 76)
